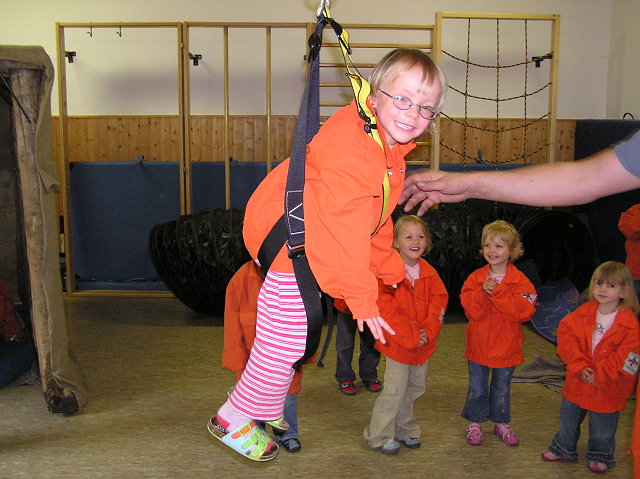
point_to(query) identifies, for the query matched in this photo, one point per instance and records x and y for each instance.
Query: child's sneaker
(412, 443)
(506, 434)
(474, 434)
(595, 466)
(390, 447)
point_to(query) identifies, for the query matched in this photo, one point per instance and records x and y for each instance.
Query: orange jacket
(629, 225)
(240, 312)
(494, 333)
(409, 309)
(342, 205)
(614, 361)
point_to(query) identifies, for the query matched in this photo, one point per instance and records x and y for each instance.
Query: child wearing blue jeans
(497, 299)
(600, 343)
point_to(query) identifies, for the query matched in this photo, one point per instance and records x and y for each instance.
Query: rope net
(471, 129)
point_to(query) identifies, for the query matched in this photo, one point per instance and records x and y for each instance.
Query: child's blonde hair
(509, 235)
(400, 60)
(618, 274)
(415, 220)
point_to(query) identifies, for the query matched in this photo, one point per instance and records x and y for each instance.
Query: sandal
(279, 425)
(373, 385)
(474, 434)
(248, 439)
(348, 388)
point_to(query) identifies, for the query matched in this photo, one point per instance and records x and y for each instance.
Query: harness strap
(361, 91)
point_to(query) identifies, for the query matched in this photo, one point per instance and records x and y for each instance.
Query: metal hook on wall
(119, 32)
(90, 32)
(69, 56)
(197, 57)
(538, 60)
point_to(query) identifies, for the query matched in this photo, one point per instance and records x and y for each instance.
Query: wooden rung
(423, 46)
(341, 65)
(334, 84)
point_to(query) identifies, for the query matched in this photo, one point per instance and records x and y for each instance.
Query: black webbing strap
(289, 229)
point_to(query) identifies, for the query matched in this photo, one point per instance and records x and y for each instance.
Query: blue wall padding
(114, 205)
(602, 215)
(208, 188)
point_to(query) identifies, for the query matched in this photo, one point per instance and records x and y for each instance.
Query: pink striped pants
(281, 334)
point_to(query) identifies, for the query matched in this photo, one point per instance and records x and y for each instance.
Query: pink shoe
(506, 434)
(596, 466)
(548, 456)
(474, 434)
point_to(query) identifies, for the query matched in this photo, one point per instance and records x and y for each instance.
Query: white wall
(586, 29)
(624, 61)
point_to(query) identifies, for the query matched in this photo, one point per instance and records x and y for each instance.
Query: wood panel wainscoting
(156, 138)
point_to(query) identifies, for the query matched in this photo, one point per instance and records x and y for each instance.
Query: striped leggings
(281, 334)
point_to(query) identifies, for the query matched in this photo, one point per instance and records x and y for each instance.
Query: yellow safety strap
(361, 90)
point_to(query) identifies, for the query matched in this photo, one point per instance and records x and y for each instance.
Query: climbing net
(506, 134)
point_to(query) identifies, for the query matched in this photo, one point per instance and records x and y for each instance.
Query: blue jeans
(602, 434)
(488, 401)
(291, 416)
(345, 342)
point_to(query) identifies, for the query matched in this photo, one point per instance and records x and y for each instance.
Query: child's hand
(376, 325)
(424, 339)
(587, 376)
(488, 285)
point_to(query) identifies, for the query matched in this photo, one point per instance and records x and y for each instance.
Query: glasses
(404, 103)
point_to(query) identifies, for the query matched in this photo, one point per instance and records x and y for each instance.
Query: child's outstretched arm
(376, 325)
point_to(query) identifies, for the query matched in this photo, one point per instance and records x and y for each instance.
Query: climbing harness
(289, 230)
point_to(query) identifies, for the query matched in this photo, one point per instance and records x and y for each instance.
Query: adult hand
(430, 187)
(377, 326)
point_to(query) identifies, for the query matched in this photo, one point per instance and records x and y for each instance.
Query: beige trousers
(392, 416)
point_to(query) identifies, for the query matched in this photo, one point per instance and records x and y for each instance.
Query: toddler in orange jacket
(497, 299)
(415, 309)
(600, 344)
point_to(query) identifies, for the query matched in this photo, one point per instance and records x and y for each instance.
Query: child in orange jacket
(240, 312)
(347, 242)
(415, 310)
(600, 344)
(497, 299)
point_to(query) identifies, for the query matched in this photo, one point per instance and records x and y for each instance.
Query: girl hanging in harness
(343, 199)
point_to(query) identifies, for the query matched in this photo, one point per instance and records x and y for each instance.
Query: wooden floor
(154, 376)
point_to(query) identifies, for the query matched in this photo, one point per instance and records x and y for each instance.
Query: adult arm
(555, 184)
